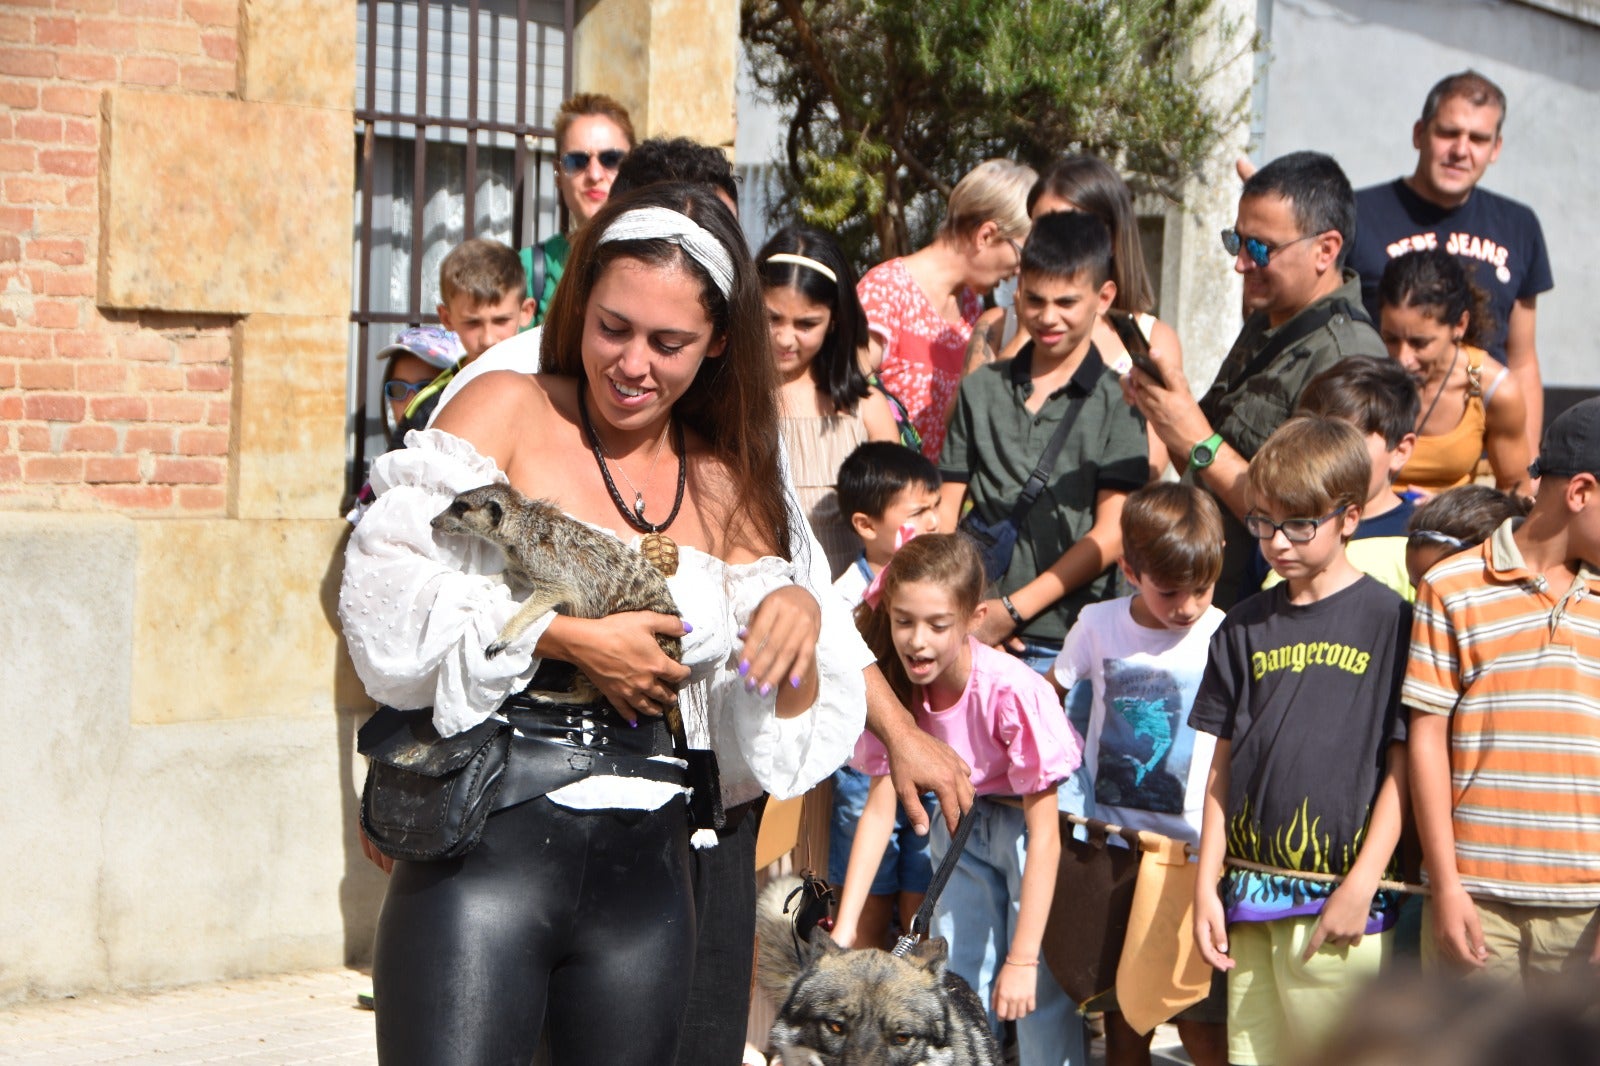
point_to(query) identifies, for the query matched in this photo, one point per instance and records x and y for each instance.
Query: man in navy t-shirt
(1440, 205)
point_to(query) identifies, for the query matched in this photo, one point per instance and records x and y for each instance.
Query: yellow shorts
(1277, 1004)
(1524, 939)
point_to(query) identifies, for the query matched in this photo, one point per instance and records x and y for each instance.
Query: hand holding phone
(1138, 346)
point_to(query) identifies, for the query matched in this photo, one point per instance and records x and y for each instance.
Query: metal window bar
(444, 123)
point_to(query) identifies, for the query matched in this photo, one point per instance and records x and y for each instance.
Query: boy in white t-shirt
(1143, 656)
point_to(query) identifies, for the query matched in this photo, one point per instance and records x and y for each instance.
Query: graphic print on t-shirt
(1144, 754)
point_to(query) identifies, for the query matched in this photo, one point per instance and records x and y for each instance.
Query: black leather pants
(586, 918)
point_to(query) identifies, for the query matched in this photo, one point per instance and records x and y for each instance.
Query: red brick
(64, 100)
(211, 12)
(207, 378)
(10, 468)
(218, 413)
(34, 439)
(156, 9)
(80, 131)
(206, 348)
(83, 345)
(69, 161)
(66, 282)
(103, 6)
(202, 498)
(10, 248)
(90, 438)
(120, 408)
(46, 375)
(53, 408)
(58, 222)
(59, 252)
(79, 66)
(55, 31)
(19, 94)
(23, 344)
(27, 63)
(220, 46)
(26, 190)
(101, 377)
(150, 378)
(99, 470)
(134, 497)
(209, 78)
(55, 314)
(203, 442)
(41, 129)
(189, 409)
(15, 219)
(82, 193)
(145, 346)
(8, 375)
(149, 70)
(18, 158)
(53, 468)
(169, 38)
(188, 472)
(15, 29)
(11, 407)
(148, 439)
(109, 35)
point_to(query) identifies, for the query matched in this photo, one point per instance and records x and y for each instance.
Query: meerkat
(568, 567)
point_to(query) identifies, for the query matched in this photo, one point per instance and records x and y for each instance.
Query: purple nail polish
(744, 667)
(794, 682)
(749, 684)
(687, 628)
(766, 689)
(634, 724)
(744, 631)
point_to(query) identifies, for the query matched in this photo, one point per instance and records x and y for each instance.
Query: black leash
(924, 916)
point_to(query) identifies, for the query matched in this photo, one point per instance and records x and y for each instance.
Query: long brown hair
(732, 403)
(947, 560)
(1094, 187)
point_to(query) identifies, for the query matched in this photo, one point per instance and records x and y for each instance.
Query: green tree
(893, 100)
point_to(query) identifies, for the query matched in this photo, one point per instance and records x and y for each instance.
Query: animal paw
(494, 649)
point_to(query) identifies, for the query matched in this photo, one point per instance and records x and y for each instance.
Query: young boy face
(481, 326)
(1060, 313)
(1386, 462)
(1164, 604)
(1296, 560)
(915, 505)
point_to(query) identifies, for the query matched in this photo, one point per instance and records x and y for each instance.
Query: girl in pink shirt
(1006, 721)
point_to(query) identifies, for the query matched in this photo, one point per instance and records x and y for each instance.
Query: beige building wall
(175, 212)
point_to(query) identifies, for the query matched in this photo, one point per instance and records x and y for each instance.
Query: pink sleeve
(878, 301)
(870, 756)
(1043, 747)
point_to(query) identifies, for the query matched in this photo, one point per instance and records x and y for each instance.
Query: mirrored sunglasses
(578, 162)
(1259, 251)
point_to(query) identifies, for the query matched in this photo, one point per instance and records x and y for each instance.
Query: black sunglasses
(578, 162)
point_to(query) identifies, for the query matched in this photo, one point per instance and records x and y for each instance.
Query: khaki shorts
(1278, 1004)
(1524, 939)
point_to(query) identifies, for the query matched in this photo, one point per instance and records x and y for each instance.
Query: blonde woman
(921, 307)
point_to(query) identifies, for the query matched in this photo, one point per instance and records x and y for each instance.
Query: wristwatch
(1204, 453)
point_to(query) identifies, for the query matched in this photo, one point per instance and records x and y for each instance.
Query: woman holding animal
(657, 415)
(1006, 722)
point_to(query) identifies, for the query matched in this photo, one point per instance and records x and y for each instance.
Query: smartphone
(1138, 346)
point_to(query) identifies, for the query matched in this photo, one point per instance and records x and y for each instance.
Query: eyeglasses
(1295, 530)
(1015, 247)
(578, 162)
(1259, 251)
(1421, 537)
(401, 390)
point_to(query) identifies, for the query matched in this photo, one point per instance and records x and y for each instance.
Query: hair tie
(805, 261)
(874, 589)
(665, 224)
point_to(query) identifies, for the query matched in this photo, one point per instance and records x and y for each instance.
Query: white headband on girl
(665, 224)
(800, 260)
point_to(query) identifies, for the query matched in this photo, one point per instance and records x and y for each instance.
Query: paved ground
(273, 1021)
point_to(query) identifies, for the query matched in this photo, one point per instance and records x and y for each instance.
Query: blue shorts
(905, 866)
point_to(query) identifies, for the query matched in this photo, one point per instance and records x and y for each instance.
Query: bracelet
(1013, 962)
(1011, 609)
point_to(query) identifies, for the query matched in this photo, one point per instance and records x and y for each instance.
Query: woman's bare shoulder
(495, 410)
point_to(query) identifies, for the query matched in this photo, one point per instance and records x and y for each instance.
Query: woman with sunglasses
(593, 134)
(921, 308)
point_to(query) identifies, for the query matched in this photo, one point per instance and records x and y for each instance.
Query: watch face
(1203, 454)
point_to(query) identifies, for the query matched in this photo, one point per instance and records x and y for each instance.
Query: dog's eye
(836, 1028)
(902, 1039)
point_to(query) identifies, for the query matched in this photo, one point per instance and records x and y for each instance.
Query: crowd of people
(1332, 623)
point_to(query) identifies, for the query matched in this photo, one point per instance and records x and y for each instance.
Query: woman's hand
(620, 655)
(780, 648)
(1015, 988)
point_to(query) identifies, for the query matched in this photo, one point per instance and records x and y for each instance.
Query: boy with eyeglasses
(1296, 220)
(1301, 690)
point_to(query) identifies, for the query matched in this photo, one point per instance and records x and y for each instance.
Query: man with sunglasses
(1295, 221)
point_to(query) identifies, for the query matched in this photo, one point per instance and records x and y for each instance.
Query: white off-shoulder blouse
(418, 608)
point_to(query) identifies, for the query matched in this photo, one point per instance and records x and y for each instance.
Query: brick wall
(100, 410)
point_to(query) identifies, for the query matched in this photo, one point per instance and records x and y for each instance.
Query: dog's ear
(931, 954)
(819, 944)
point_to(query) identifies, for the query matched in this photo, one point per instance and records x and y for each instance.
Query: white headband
(665, 224)
(800, 260)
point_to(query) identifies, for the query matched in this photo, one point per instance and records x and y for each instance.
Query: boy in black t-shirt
(1301, 690)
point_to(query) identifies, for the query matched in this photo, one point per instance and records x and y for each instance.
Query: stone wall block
(296, 52)
(288, 420)
(646, 52)
(223, 206)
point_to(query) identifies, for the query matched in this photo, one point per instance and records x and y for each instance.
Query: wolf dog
(864, 1007)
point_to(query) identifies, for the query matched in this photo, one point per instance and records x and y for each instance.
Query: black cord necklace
(656, 546)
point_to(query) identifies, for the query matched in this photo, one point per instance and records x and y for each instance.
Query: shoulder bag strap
(1052, 451)
(1295, 331)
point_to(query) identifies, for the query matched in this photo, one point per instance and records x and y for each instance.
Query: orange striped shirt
(1516, 666)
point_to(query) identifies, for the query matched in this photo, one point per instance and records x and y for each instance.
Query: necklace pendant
(638, 503)
(662, 552)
